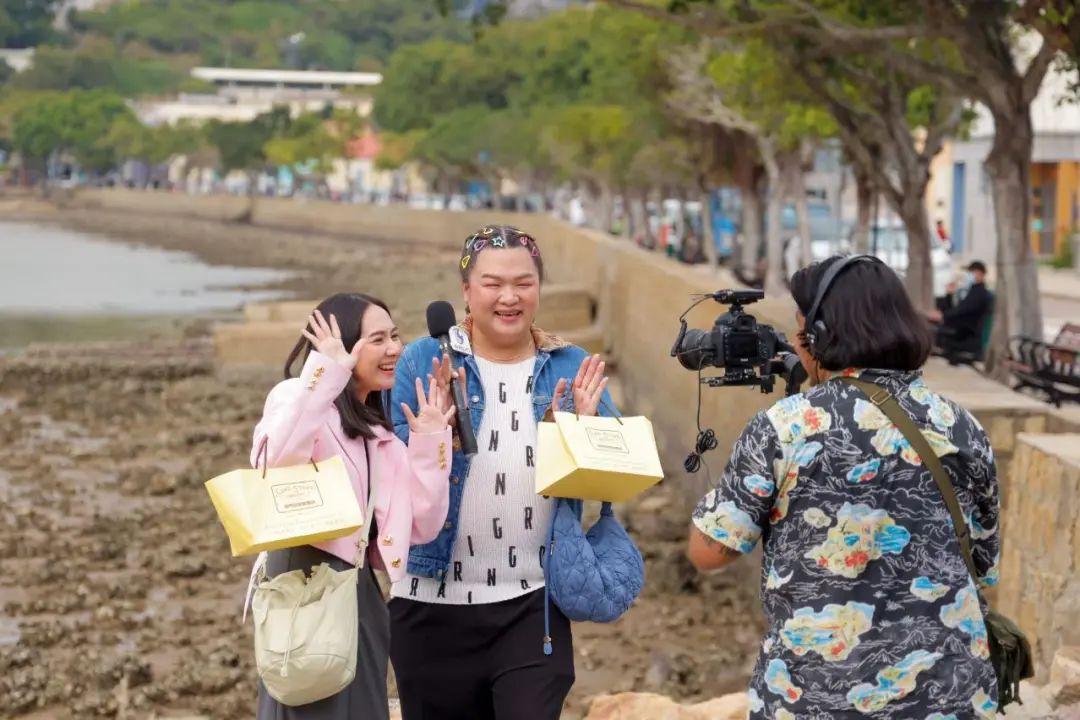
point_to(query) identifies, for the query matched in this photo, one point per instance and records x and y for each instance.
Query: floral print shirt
(870, 607)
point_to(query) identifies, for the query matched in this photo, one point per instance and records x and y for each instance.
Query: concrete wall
(639, 294)
(1040, 565)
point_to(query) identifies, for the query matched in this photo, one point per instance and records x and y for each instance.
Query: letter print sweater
(503, 524)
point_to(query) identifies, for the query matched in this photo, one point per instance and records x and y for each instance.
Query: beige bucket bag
(306, 627)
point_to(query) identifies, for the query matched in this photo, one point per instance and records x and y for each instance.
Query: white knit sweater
(503, 523)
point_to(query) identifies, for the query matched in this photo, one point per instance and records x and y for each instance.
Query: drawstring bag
(306, 634)
(306, 628)
(592, 576)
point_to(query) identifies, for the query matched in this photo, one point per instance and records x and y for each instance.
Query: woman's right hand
(326, 337)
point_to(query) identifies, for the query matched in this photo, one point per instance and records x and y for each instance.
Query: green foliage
(588, 140)
(313, 140)
(78, 122)
(99, 65)
(241, 146)
(1063, 259)
(521, 98)
(26, 23)
(336, 34)
(130, 139)
(756, 81)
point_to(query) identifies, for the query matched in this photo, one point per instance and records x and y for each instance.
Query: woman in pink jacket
(335, 407)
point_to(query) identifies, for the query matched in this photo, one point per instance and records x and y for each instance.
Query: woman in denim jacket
(467, 621)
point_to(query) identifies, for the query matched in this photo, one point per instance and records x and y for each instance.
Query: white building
(960, 191)
(18, 59)
(245, 93)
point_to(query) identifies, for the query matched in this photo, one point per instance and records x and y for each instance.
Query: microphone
(440, 318)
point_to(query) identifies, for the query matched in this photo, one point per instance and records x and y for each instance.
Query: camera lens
(696, 349)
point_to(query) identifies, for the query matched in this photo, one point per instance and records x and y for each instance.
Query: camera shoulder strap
(885, 402)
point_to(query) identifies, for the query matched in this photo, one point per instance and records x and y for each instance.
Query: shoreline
(321, 263)
(118, 574)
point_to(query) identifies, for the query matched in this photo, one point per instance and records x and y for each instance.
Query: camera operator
(869, 602)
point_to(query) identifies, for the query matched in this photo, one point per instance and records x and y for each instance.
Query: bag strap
(369, 512)
(885, 402)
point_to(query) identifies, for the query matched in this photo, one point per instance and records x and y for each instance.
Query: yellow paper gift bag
(274, 508)
(596, 458)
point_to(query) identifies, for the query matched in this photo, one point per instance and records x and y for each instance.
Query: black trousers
(480, 662)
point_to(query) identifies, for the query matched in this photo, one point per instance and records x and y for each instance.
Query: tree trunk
(919, 277)
(707, 239)
(802, 213)
(793, 184)
(864, 208)
(746, 181)
(607, 208)
(639, 220)
(802, 207)
(774, 239)
(1017, 310)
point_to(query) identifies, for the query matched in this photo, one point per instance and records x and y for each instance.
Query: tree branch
(850, 34)
(1037, 69)
(696, 97)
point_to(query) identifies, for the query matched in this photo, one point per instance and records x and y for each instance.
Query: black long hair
(357, 418)
(869, 319)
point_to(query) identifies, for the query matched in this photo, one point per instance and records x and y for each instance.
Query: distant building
(18, 59)
(244, 93)
(959, 194)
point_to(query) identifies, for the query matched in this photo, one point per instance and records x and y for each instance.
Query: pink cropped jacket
(301, 423)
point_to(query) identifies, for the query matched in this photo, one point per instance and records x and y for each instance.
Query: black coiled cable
(706, 441)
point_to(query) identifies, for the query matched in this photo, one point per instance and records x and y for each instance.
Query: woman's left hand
(588, 387)
(434, 410)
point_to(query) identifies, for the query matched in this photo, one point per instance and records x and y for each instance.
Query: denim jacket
(555, 358)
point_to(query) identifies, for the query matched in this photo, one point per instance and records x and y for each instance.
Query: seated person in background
(962, 316)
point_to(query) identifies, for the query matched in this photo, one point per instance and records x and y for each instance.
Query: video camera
(750, 353)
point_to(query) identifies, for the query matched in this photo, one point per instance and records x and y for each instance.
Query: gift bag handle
(610, 409)
(264, 454)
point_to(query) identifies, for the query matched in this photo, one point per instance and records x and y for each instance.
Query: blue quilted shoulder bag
(591, 576)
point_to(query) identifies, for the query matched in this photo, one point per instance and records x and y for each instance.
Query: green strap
(881, 397)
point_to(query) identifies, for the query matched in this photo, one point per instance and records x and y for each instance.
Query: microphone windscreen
(440, 318)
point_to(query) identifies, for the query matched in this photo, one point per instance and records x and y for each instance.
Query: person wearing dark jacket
(962, 317)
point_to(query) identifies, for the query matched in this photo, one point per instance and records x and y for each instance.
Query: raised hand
(588, 386)
(441, 371)
(432, 416)
(326, 337)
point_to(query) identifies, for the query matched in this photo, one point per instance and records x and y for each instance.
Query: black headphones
(814, 328)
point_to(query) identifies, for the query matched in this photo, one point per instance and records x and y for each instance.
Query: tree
(892, 126)
(747, 89)
(241, 146)
(969, 48)
(77, 123)
(99, 65)
(26, 23)
(311, 142)
(506, 99)
(306, 34)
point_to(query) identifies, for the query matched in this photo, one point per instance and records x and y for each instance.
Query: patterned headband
(496, 237)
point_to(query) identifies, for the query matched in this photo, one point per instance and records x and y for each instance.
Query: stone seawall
(1040, 568)
(639, 296)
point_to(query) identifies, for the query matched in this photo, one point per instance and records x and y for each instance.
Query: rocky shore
(119, 597)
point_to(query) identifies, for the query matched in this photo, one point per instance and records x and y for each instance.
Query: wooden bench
(1050, 368)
